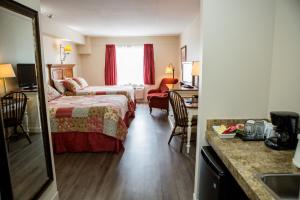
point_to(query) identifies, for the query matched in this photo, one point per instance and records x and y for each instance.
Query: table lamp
(195, 73)
(6, 71)
(170, 69)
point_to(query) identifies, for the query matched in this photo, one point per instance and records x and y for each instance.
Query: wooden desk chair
(13, 109)
(181, 117)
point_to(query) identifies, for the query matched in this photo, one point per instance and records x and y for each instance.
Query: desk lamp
(195, 73)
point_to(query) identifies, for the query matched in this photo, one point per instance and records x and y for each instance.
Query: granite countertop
(246, 160)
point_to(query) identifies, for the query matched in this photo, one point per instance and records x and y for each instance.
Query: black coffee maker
(286, 130)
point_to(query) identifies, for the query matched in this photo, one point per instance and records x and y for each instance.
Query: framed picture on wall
(183, 54)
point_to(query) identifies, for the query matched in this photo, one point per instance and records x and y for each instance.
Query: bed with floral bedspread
(127, 91)
(88, 123)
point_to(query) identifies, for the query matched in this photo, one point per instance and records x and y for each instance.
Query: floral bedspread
(127, 91)
(103, 114)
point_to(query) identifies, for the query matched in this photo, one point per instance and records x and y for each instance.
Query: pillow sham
(52, 93)
(71, 85)
(81, 82)
(59, 86)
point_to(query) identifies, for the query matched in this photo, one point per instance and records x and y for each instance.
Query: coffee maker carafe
(286, 130)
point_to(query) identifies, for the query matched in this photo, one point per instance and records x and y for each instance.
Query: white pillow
(52, 93)
(81, 82)
(59, 85)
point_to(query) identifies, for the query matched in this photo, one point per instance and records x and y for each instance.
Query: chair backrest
(164, 81)
(179, 109)
(13, 108)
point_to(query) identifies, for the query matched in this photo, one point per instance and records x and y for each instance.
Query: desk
(184, 92)
(32, 121)
(7, 108)
(192, 109)
(31, 118)
(32, 113)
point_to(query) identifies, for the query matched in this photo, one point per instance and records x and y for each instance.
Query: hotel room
(131, 99)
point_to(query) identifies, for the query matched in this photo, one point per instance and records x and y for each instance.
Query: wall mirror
(24, 146)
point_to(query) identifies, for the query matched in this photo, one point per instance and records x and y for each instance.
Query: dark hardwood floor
(148, 169)
(27, 166)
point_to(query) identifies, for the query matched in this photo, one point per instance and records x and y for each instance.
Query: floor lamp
(6, 71)
(170, 69)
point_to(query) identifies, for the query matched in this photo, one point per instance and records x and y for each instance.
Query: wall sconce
(170, 69)
(64, 51)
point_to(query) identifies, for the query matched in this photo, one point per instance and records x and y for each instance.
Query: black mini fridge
(216, 182)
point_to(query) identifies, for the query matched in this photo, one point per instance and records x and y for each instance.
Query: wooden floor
(148, 169)
(27, 166)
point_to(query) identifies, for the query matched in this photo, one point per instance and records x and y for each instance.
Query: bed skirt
(85, 142)
(88, 142)
(129, 115)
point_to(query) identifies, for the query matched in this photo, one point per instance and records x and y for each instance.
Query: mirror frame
(5, 181)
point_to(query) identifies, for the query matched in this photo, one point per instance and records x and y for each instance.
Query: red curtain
(149, 71)
(110, 65)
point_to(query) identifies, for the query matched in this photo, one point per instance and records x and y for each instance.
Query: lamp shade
(169, 69)
(196, 68)
(67, 49)
(6, 71)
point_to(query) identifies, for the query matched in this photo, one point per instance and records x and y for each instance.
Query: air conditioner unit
(139, 93)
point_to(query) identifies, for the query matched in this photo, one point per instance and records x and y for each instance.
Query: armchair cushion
(157, 95)
(154, 91)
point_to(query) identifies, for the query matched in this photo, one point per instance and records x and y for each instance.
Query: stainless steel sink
(283, 186)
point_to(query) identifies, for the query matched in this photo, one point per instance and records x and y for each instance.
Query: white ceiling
(123, 17)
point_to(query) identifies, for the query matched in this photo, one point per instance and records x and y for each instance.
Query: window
(130, 60)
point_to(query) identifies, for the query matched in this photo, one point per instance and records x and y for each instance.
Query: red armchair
(159, 98)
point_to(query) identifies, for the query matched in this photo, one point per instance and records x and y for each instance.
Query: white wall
(250, 60)
(285, 76)
(54, 34)
(236, 59)
(34, 4)
(15, 47)
(236, 62)
(57, 30)
(166, 50)
(191, 38)
(52, 54)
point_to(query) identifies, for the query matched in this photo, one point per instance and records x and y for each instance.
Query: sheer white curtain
(130, 60)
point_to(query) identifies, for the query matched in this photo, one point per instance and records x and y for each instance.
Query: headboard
(60, 72)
